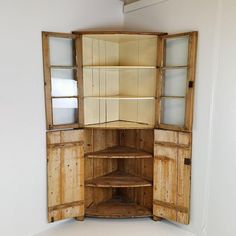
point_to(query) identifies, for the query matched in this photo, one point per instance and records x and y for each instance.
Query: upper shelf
(118, 179)
(122, 97)
(119, 67)
(119, 124)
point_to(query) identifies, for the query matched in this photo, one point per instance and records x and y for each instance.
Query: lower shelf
(118, 208)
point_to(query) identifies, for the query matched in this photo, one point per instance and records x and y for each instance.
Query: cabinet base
(79, 218)
(156, 218)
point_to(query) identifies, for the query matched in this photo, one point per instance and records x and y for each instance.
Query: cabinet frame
(191, 67)
(78, 74)
(171, 134)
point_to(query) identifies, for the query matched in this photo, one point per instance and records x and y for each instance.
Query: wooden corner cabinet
(119, 112)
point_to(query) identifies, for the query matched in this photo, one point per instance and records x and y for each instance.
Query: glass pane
(177, 51)
(65, 111)
(63, 83)
(173, 111)
(175, 82)
(61, 51)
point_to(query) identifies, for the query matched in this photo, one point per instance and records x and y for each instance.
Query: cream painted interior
(119, 78)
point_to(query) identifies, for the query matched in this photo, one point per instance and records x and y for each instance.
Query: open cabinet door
(65, 171)
(175, 80)
(172, 174)
(62, 60)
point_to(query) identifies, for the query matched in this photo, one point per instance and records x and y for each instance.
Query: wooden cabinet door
(172, 174)
(175, 80)
(63, 80)
(65, 174)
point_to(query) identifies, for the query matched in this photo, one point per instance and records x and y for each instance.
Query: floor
(103, 227)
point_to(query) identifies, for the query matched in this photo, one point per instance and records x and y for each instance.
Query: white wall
(180, 16)
(222, 204)
(22, 118)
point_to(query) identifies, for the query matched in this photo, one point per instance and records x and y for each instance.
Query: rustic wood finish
(65, 164)
(118, 179)
(172, 175)
(125, 163)
(118, 208)
(47, 80)
(119, 152)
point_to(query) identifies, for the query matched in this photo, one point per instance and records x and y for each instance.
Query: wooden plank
(118, 208)
(184, 185)
(173, 67)
(165, 181)
(118, 179)
(47, 80)
(66, 205)
(172, 173)
(120, 67)
(178, 35)
(118, 32)
(117, 152)
(119, 125)
(62, 67)
(65, 126)
(160, 61)
(79, 75)
(65, 164)
(192, 57)
(59, 35)
(55, 97)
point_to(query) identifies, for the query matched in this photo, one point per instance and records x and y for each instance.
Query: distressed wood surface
(65, 170)
(118, 179)
(119, 152)
(172, 173)
(118, 208)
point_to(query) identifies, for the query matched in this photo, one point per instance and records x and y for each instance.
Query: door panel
(62, 60)
(175, 81)
(172, 172)
(65, 170)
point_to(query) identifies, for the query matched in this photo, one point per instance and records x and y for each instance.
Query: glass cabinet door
(62, 76)
(175, 80)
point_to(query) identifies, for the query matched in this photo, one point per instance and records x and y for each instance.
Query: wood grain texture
(47, 80)
(79, 76)
(171, 186)
(117, 179)
(116, 152)
(118, 208)
(65, 170)
(117, 32)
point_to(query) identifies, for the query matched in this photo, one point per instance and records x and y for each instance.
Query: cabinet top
(118, 32)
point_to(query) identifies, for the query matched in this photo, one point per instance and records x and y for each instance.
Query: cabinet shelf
(118, 179)
(119, 67)
(119, 125)
(122, 97)
(117, 152)
(118, 208)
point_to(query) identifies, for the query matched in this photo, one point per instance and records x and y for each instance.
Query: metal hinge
(187, 161)
(190, 84)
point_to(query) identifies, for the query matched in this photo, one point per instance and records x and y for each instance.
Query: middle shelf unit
(118, 179)
(118, 172)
